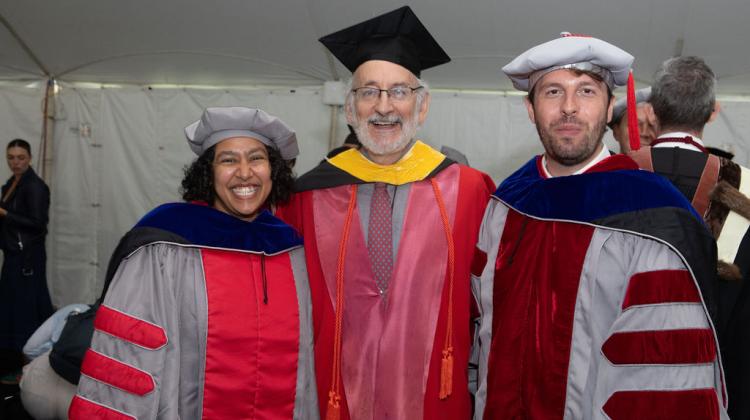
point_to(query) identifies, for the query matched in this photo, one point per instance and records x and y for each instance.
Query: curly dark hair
(198, 182)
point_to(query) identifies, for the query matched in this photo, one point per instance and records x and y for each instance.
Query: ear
(530, 109)
(611, 109)
(651, 117)
(349, 111)
(424, 108)
(715, 112)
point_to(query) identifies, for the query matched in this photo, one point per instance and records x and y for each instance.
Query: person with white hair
(684, 102)
(389, 231)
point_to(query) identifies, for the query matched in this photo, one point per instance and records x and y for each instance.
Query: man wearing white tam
(647, 124)
(591, 306)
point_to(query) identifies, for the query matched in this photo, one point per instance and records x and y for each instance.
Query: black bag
(67, 353)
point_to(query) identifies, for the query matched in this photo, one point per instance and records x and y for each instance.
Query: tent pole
(24, 46)
(49, 108)
(48, 119)
(332, 141)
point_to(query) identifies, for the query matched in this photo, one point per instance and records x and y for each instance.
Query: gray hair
(422, 94)
(683, 95)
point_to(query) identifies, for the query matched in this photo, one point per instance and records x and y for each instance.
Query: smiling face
(385, 126)
(570, 111)
(19, 160)
(242, 177)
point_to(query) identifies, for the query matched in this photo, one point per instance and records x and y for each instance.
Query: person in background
(389, 231)
(350, 142)
(454, 155)
(24, 212)
(683, 101)
(208, 313)
(646, 123)
(591, 273)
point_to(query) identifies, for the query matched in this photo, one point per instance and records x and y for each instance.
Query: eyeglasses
(396, 93)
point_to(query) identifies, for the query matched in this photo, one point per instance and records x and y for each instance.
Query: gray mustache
(393, 119)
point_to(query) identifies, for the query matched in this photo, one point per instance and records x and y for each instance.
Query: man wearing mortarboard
(389, 232)
(684, 101)
(597, 295)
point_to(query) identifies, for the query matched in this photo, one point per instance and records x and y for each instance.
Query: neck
(694, 133)
(389, 158)
(556, 168)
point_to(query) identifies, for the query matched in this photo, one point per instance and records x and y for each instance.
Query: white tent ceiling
(119, 152)
(274, 42)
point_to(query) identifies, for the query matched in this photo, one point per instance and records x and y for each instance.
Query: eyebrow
(373, 83)
(577, 85)
(590, 83)
(237, 152)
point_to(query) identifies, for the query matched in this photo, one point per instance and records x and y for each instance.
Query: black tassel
(265, 282)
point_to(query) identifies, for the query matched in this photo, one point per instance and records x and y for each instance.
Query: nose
(383, 105)
(570, 104)
(245, 171)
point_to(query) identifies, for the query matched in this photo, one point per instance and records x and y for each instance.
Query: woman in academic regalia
(207, 314)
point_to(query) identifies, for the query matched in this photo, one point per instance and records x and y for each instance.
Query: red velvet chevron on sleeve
(660, 347)
(664, 286)
(83, 409)
(695, 404)
(126, 327)
(116, 373)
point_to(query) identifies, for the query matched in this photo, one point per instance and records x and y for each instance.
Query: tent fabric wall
(118, 152)
(21, 117)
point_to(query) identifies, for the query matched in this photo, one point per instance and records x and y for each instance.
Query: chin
(249, 216)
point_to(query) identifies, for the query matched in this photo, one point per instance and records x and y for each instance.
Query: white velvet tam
(221, 123)
(641, 96)
(574, 52)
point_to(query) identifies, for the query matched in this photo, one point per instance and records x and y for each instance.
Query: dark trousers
(24, 298)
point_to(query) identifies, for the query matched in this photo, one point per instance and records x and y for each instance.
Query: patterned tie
(379, 237)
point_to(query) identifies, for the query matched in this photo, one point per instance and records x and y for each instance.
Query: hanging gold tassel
(334, 406)
(446, 365)
(446, 374)
(334, 397)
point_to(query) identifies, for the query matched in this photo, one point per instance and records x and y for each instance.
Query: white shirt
(603, 154)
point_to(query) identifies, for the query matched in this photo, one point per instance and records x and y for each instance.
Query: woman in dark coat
(24, 212)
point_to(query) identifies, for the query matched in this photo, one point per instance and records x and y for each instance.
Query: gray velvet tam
(641, 96)
(570, 52)
(221, 123)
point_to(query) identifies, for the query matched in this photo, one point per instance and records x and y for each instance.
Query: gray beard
(375, 147)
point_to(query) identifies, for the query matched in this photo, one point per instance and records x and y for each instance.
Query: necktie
(379, 237)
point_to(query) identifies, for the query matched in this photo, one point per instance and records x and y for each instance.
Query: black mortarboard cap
(397, 36)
